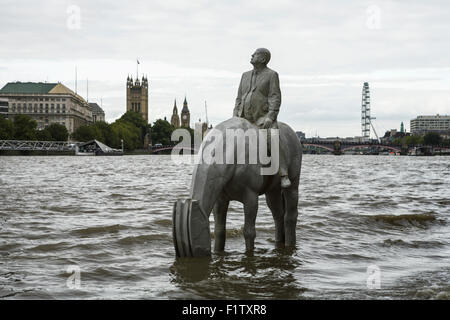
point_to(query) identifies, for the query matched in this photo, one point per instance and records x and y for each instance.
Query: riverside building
(47, 103)
(424, 124)
(97, 113)
(4, 107)
(137, 96)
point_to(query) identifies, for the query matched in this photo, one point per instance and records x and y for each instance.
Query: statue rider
(259, 99)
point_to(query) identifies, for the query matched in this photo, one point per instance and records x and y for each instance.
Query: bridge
(64, 146)
(339, 147)
(335, 147)
(24, 145)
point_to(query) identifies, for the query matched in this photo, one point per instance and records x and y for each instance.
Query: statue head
(260, 57)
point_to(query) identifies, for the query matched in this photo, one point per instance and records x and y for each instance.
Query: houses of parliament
(137, 100)
(137, 96)
(185, 116)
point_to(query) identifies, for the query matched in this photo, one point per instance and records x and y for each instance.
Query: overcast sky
(322, 50)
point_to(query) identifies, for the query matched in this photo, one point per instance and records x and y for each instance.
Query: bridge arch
(397, 149)
(318, 146)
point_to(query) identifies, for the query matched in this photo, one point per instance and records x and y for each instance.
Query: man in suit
(259, 99)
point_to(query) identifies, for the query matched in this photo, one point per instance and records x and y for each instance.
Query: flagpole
(137, 68)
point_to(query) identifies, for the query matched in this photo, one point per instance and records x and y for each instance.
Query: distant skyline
(323, 51)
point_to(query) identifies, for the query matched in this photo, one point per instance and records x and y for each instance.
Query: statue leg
(250, 211)
(283, 170)
(220, 220)
(290, 218)
(283, 167)
(275, 202)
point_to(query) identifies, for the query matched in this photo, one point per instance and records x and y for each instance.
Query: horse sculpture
(214, 185)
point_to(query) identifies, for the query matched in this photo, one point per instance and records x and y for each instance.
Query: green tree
(43, 135)
(24, 127)
(127, 132)
(446, 142)
(432, 139)
(136, 119)
(84, 133)
(58, 132)
(104, 133)
(161, 132)
(130, 128)
(6, 129)
(412, 140)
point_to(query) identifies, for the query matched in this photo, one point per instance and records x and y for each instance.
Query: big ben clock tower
(185, 115)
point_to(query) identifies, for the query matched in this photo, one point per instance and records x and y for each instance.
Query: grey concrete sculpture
(214, 185)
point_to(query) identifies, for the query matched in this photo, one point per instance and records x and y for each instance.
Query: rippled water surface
(111, 217)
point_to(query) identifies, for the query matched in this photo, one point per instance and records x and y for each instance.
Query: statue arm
(274, 97)
(238, 99)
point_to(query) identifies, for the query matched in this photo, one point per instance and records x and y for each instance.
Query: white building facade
(47, 103)
(424, 124)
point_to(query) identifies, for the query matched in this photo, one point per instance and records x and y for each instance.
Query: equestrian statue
(232, 166)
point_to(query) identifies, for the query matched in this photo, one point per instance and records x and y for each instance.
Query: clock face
(184, 117)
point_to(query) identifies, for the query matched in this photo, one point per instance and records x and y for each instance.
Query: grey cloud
(322, 50)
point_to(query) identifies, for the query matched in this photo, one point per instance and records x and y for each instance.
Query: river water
(370, 227)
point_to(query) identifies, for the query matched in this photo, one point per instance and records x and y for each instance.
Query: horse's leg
(290, 217)
(275, 203)
(220, 219)
(250, 211)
